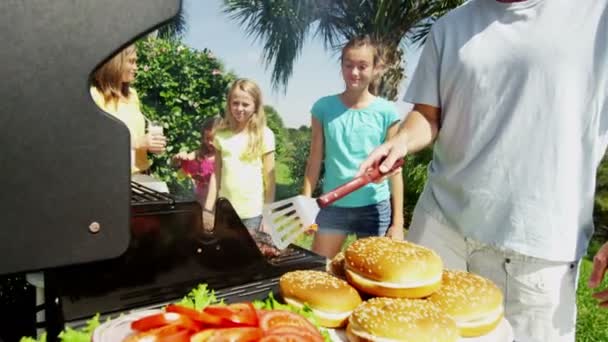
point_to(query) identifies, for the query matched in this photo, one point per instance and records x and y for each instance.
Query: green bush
(275, 123)
(297, 152)
(414, 178)
(179, 87)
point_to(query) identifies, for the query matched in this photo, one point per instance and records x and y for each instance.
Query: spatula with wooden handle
(289, 218)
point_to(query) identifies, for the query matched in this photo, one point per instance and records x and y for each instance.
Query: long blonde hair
(257, 121)
(107, 78)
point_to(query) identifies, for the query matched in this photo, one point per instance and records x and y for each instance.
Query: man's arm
(418, 131)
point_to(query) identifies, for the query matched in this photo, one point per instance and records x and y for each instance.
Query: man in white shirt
(513, 94)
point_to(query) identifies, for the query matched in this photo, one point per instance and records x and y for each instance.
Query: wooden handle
(355, 184)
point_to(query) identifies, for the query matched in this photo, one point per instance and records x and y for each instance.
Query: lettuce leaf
(71, 335)
(199, 298)
(81, 335)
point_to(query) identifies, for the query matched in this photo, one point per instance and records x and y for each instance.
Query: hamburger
(388, 268)
(400, 319)
(474, 302)
(331, 299)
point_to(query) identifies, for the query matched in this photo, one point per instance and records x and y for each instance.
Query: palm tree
(285, 25)
(174, 28)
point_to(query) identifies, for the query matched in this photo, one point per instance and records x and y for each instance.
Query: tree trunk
(394, 73)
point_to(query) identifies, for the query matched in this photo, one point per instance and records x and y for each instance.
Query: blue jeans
(369, 220)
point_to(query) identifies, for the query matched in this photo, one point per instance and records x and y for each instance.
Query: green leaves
(199, 298)
(179, 87)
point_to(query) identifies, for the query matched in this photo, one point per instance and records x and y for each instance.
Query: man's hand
(600, 265)
(394, 149)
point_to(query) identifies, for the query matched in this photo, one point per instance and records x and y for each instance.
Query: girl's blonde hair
(376, 46)
(257, 122)
(107, 78)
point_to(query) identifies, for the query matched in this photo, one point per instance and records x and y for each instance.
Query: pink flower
(216, 72)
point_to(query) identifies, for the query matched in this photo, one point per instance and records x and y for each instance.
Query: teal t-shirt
(350, 135)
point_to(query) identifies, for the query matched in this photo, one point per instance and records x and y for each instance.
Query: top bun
(401, 319)
(475, 303)
(385, 267)
(331, 299)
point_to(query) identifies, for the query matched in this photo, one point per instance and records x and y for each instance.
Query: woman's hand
(154, 143)
(395, 232)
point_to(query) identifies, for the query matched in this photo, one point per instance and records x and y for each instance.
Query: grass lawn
(592, 323)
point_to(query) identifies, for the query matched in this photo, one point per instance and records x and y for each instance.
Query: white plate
(119, 328)
(502, 333)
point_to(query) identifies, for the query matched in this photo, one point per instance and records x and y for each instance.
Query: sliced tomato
(167, 333)
(284, 338)
(240, 313)
(181, 336)
(242, 334)
(195, 315)
(306, 334)
(162, 319)
(277, 318)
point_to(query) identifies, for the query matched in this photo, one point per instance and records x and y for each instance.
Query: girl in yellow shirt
(112, 92)
(244, 163)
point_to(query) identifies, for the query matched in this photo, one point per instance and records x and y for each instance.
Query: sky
(316, 72)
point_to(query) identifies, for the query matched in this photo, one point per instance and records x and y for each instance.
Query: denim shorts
(369, 220)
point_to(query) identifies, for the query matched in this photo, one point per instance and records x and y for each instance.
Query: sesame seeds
(464, 293)
(399, 317)
(381, 258)
(313, 280)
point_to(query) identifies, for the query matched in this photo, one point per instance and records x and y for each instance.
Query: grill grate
(142, 195)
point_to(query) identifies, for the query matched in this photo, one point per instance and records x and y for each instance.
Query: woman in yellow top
(112, 92)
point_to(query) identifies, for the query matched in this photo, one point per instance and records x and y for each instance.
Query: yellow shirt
(129, 112)
(242, 182)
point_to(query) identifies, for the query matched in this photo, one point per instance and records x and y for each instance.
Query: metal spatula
(289, 218)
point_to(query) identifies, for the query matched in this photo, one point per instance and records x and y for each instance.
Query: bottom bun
(352, 337)
(479, 330)
(376, 288)
(324, 319)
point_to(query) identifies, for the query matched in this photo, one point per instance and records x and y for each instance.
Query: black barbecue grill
(101, 252)
(169, 254)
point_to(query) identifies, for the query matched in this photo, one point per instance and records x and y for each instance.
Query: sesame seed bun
(331, 299)
(384, 267)
(400, 319)
(475, 303)
(335, 266)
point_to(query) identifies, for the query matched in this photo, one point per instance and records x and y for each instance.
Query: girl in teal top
(345, 128)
